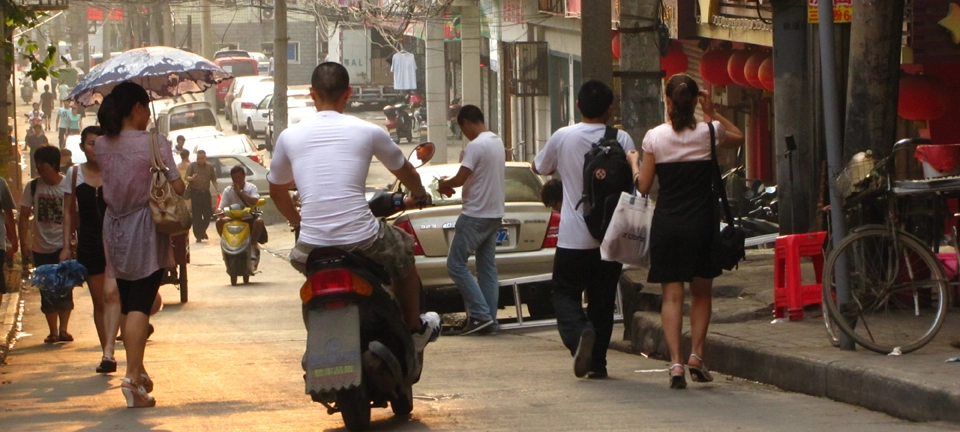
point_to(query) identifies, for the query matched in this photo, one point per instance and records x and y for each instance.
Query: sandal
(66, 337)
(52, 338)
(699, 374)
(137, 396)
(107, 365)
(147, 383)
(678, 381)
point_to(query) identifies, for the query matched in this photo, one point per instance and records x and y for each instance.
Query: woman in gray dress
(136, 254)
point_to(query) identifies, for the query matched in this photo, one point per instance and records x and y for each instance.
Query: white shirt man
(482, 176)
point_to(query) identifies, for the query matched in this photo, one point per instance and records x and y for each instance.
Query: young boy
(43, 198)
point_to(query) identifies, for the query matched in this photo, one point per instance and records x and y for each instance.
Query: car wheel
(241, 128)
(233, 124)
(250, 129)
(226, 114)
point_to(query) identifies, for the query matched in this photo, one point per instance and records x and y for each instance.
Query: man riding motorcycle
(245, 194)
(327, 156)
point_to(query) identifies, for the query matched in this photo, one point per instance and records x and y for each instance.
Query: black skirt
(91, 207)
(684, 224)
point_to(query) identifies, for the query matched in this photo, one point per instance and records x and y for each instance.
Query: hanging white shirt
(404, 67)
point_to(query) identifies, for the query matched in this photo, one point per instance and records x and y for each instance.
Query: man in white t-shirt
(43, 198)
(577, 266)
(245, 194)
(481, 175)
(327, 157)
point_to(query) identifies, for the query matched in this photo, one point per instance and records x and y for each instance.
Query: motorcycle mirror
(422, 154)
(261, 202)
(771, 190)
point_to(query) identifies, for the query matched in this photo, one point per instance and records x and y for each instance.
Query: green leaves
(18, 18)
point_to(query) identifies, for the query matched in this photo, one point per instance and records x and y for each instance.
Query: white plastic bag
(627, 237)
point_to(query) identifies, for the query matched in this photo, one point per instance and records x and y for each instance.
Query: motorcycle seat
(325, 257)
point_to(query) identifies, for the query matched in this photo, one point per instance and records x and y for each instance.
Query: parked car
(256, 173)
(299, 106)
(238, 67)
(526, 240)
(194, 120)
(235, 87)
(233, 145)
(245, 102)
(263, 62)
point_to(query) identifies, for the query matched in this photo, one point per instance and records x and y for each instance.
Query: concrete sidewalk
(797, 355)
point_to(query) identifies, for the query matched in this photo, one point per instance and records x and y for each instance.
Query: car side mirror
(265, 115)
(270, 124)
(262, 147)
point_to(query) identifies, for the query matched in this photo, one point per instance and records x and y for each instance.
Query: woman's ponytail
(118, 105)
(683, 92)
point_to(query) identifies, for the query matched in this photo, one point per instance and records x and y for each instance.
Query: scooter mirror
(261, 202)
(422, 154)
(771, 190)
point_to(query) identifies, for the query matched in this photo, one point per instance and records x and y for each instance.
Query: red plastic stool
(789, 296)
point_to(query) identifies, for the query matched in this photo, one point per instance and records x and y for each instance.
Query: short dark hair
(201, 152)
(594, 98)
(184, 153)
(65, 152)
(551, 192)
(238, 168)
(330, 80)
(49, 155)
(89, 130)
(469, 113)
(181, 136)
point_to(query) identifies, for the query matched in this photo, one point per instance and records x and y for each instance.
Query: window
(239, 69)
(223, 165)
(293, 52)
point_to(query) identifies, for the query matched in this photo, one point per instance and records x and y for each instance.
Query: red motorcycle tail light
(334, 281)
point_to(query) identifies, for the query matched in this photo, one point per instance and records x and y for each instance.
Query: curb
(11, 306)
(841, 380)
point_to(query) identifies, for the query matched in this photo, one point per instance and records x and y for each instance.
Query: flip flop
(51, 339)
(66, 337)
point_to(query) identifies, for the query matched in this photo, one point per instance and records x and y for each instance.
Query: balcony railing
(44, 5)
(558, 7)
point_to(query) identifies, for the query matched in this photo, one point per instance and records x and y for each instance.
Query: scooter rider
(245, 194)
(327, 156)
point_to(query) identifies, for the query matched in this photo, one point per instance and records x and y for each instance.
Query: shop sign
(842, 11)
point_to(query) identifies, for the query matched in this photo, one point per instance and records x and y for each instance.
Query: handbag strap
(157, 160)
(718, 181)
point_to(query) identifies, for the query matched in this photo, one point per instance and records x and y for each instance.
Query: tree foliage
(41, 60)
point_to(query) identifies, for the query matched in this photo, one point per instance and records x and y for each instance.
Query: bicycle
(898, 291)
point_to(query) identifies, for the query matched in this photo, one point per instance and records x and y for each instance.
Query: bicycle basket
(857, 176)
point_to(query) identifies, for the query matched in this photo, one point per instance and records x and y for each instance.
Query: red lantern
(735, 67)
(713, 67)
(615, 45)
(675, 62)
(751, 70)
(766, 73)
(922, 97)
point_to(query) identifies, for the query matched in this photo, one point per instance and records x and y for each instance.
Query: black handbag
(728, 247)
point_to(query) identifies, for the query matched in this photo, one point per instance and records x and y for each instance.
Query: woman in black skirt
(84, 210)
(684, 222)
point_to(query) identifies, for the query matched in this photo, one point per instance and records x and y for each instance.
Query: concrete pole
(105, 45)
(470, 55)
(831, 114)
(206, 45)
(436, 89)
(640, 79)
(595, 51)
(166, 21)
(279, 67)
(873, 84)
(7, 153)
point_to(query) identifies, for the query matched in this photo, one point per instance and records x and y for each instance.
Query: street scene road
(229, 359)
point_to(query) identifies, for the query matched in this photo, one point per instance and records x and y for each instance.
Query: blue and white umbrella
(163, 71)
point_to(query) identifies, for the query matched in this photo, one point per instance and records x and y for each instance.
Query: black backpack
(606, 174)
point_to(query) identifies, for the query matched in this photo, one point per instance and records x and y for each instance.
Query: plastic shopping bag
(627, 237)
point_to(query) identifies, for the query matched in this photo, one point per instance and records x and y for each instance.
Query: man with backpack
(593, 147)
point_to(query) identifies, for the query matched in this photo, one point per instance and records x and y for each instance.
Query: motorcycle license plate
(503, 237)
(332, 360)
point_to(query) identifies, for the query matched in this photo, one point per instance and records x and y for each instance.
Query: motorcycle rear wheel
(354, 408)
(403, 404)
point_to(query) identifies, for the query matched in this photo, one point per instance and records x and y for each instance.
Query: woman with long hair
(136, 254)
(684, 221)
(83, 214)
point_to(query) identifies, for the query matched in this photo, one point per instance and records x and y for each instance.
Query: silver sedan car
(526, 240)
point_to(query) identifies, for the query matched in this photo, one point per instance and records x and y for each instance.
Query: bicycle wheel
(898, 293)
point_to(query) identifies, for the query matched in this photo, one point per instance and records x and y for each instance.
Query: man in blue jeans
(481, 175)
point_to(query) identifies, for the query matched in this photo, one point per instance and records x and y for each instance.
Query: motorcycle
(26, 93)
(359, 352)
(399, 122)
(235, 242)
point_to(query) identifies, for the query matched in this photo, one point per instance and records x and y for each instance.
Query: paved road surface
(230, 360)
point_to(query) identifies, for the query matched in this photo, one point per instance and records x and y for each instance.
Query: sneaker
(599, 373)
(429, 333)
(474, 326)
(584, 354)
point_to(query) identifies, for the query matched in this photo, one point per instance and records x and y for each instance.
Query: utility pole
(279, 67)
(167, 23)
(640, 76)
(873, 85)
(436, 78)
(206, 45)
(595, 51)
(7, 161)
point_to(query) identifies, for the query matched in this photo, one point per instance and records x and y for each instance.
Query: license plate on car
(503, 237)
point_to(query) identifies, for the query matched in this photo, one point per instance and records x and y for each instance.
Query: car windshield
(192, 119)
(520, 184)
(239, 69)
(225, 146)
